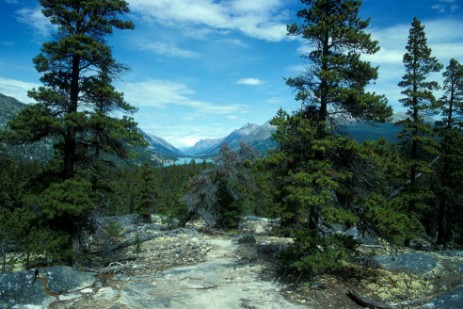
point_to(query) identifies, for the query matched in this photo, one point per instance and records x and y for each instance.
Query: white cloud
(236, 42)
(16, 89)
(169, 50)
(34, 18)
(162, 94)
(442, 38)
(262, 19)
(250, 81)
(443, 6)
(445, 42)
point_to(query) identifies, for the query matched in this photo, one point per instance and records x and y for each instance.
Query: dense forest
(315, 177)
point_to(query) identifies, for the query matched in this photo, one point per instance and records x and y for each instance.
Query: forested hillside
(398, 190)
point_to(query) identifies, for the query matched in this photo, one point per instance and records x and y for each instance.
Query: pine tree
(448, 184)
(145, 204)
(416, 138)
(73, 109)
(336, 79)
(77, 96)
(451, 103)
(450, 164)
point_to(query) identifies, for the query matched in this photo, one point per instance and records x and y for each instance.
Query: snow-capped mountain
(258, 136)
(161, 146)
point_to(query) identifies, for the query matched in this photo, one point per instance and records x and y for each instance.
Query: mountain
(161, 146)
(41, 151)
(156, 152)
(201, 147)
(9, 107)
(258, 136)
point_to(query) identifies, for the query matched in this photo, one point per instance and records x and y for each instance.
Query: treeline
(315, 177)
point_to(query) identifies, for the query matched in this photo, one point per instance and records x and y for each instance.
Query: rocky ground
(187, 269)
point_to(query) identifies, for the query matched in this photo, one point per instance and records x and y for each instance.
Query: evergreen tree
(77, 96)
(448, 187)
(319, 174)
(451, 103)
(450, 163)
(335, 81)
(416, 138)
(74, 109)
(146, 201)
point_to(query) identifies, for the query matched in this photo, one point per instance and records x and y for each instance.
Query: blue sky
(202, 68)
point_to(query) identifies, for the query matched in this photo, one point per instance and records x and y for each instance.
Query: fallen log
(125, 244)
(369, 303)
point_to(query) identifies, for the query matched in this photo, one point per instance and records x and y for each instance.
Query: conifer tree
(146, 200)
(336, 79)
(448, 187)
(416, 138)
(450, 164)
(334, 85)
(317, 173)
(76, 99)
(74, 108)
(451, 104)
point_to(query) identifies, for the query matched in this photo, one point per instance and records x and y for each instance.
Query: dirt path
(220, 282)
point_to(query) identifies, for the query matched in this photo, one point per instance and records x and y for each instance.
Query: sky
(203, 68)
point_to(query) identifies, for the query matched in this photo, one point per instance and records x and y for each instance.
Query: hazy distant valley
(159, 151)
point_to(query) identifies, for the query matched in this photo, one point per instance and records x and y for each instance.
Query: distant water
(186, 160)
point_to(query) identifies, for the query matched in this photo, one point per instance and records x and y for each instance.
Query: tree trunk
(440, 221)
(3, 255)
(70, 135)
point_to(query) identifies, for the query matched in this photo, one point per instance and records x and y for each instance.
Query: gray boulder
(20, 288)
(247, 239)
(450, 300)
(415, 263)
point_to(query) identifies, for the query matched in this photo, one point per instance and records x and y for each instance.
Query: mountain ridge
(257, 136)
(158, 149)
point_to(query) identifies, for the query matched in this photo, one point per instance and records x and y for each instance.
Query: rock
(363, 238)
(257, 225)
(87, 291)
(20, 289)
(450, 300)
(415, 263)
(122, 221)
(424, 242)
(249, 240)
(334, 228)
(67, 279)
(71, 296)
(271, 249)
(453, 253)
(106, 293)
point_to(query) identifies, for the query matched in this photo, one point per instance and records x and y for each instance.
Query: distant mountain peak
(258, 136)
(249, 126)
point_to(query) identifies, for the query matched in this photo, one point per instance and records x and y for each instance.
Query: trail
(221, 282)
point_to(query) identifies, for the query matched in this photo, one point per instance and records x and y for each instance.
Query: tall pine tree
(74, 108)
(317, 173)
(416, 137)
(451, 104)
(449, 173)
(75, 102)
(336, 79)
